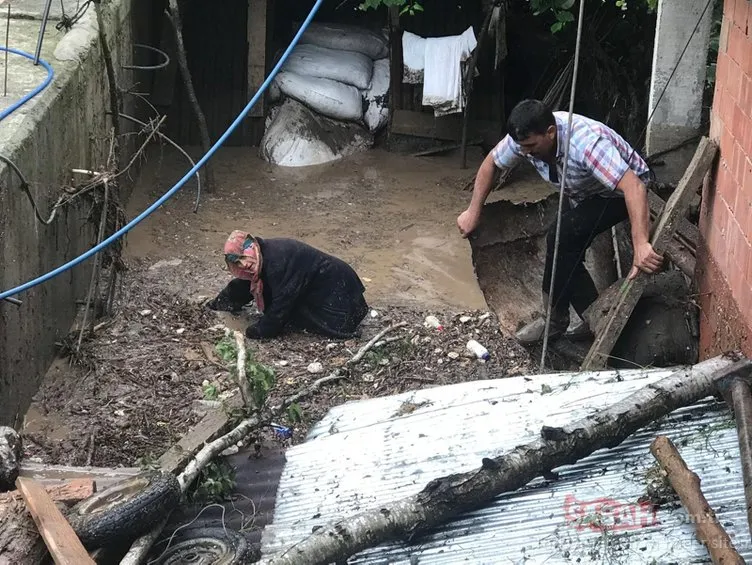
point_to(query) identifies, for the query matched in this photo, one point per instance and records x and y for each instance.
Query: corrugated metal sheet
(371, 452)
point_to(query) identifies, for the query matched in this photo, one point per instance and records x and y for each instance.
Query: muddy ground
(133, 389)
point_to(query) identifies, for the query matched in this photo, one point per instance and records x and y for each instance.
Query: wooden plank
(449, 128)
(682, 257)
(58, 535)
(211, 426)
(256, 52)
(663, 231)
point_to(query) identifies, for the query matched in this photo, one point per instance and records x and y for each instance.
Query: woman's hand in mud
(468, 222)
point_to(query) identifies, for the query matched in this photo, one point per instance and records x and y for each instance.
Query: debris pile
(143, 379)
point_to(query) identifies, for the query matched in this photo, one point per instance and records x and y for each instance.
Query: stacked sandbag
(345, 37)
(338, 72)
(322, 95)
(296, 136)
(348, 67)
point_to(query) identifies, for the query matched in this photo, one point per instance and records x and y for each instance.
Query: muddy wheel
(126, 509)
(204, 546)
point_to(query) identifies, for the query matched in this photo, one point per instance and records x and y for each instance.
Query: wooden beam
(681, 257)
(211, 426)
(449, 128)
(663, 231)
(58, 535)
(686, 229)
(396, 62)
(256, 31)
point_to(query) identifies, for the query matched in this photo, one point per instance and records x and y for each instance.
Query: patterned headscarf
(242, 244)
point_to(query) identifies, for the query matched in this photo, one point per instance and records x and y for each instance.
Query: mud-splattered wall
(65, 127)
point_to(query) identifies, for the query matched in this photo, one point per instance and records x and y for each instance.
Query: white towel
(442, 83)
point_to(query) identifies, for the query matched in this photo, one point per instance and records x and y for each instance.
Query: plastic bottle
(433, 322)
(478, 350)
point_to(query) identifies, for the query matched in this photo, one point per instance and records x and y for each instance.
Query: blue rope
(50, 74)
(146, 213)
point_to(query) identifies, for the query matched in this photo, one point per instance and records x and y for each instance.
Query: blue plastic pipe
(167, 195)
(50, 74)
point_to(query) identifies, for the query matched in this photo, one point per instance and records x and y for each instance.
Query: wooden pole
(469, 72)
(686, 483)
(741, 399)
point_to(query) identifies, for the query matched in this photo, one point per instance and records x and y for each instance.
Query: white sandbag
(273, 93)
(346, 38)
(327, 97)
(347, 67)
(376, 98)
(297, 137)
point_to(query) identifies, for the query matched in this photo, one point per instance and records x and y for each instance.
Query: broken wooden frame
(609, 330)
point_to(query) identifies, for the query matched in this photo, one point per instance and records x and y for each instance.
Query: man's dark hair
(529, 117)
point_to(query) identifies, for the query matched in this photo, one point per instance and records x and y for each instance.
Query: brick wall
(725, 256)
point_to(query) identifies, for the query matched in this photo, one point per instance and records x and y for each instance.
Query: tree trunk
(173, 14)
(20, 541)
(686, 483)
(447, 497)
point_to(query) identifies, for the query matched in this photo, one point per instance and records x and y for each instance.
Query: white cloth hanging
(440, 59)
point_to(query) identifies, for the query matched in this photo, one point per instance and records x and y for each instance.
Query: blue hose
(50, 73)
(146, 213)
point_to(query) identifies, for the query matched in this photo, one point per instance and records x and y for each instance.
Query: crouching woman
(294, 285)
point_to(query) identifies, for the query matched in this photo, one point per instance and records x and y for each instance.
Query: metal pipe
(45, 17)
(7, 44)
(15, 301)
(741, 396)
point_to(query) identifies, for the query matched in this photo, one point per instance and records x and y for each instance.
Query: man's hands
(468, 221)
(645, 260)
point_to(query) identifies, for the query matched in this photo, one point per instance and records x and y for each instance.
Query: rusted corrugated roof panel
(371, 452)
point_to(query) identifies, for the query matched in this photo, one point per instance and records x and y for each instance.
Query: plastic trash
(478, 350)
(281, 431)
(433, 322)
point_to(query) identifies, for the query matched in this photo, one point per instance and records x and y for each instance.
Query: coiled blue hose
(167, 195)
(50, 74)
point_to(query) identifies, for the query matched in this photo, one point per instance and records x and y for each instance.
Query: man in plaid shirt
(605, 185)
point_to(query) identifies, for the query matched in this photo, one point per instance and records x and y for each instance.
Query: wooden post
(609, 331)
(468, 83)
(256, 52)
(396, 64)
(686, 483)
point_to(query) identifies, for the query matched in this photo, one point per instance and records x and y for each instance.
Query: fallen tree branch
(686, 484)
(139, 549)
(445, 498)
(176, 146)
(109, 68)
(95, 269)
(173, 14)
(367, 347)
(243, 384)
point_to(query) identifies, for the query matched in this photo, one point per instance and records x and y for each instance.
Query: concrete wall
(678, 106)
(65, 127)
(725, 255)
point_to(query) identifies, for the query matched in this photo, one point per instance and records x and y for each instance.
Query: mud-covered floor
(133, 392)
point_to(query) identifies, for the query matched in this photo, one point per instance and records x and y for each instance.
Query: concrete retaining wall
(65, 127)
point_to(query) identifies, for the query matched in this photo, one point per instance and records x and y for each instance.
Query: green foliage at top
(563, 11)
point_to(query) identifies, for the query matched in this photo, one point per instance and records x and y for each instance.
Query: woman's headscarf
(241, 244)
